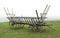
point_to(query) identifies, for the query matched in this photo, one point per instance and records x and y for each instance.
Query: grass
(6, 32)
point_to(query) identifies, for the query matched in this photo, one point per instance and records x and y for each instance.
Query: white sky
(28, 7)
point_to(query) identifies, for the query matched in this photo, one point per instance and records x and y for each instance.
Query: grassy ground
(6, 32)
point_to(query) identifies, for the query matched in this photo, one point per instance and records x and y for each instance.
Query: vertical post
(37, 15)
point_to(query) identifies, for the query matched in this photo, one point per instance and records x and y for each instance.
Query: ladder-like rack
(34, 22)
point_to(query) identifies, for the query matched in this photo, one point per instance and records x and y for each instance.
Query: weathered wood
(34, 22)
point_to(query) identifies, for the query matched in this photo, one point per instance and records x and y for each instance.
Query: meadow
(6, 32)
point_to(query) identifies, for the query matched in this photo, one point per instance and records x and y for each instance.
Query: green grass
(6, 32)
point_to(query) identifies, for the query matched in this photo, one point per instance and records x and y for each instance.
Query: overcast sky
(28, 7)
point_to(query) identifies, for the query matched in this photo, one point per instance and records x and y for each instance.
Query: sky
(27, 7)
